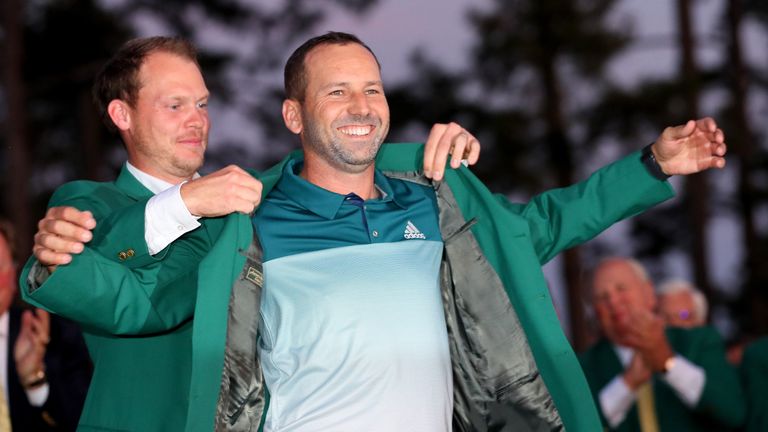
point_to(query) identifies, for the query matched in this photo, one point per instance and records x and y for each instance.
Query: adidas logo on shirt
(411, 232)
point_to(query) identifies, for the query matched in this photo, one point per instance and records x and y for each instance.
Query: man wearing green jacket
(140, 339)
(338, 268)
(648, 377)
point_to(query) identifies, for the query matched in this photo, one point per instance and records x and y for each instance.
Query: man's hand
(637, 373)
(225, 191)
(62, 232)
(445, 139)
(29, 350)
(646, 334)
(696, 146)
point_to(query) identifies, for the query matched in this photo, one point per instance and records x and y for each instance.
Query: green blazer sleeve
(563, 218)
(754, 376)
(137, 295)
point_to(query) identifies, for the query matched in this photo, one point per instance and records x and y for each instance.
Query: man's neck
(153, 183)
(338, 181)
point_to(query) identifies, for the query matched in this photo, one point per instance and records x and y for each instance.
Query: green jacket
(754, 374)
(139, 337)
(721, 406)
(513, 241)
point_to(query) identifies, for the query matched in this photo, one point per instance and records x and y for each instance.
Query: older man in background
(649, 377)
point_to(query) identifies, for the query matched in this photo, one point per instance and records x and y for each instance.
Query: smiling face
(619, 290)
(166, 131)
(344, 116)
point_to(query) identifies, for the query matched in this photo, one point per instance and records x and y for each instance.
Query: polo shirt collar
(320, 201)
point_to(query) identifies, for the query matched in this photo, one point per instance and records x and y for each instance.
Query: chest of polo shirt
(299, 217)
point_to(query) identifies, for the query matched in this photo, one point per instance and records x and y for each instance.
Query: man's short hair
(700, 305)
(295, 74)
(119, 78)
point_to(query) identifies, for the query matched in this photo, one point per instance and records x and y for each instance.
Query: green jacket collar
(131, 186)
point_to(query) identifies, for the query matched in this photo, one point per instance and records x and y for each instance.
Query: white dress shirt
(166, 217)
(36, 396)
(616, 398)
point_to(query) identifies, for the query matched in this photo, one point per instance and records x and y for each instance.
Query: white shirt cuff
(687, 380)
(166, 219)
(615, 401)
(37, 396)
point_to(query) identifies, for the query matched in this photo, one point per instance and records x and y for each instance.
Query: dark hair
(9, 234)
(295, 75)
(119, 78)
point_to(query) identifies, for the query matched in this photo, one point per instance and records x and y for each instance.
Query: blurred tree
(628, 113)
(54, 49)
(522, 94)
(746, 82)
(696, 186)
(16, 153)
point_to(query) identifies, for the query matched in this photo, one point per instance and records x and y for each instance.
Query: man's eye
(202, 105)
(336, 93)
(174, 107)
(372, 92)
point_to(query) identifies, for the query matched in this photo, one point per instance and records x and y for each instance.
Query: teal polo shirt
(299, 217)
(352, 334)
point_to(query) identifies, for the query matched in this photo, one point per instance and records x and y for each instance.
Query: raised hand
(448, 139)
(696, 146)
(62, 232)
(636, 373)
(29, 350)
(645, 333)
(225, 191)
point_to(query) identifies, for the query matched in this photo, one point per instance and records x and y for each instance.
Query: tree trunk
(695, 185)
(16, 203)
(743, 147)
(561, 159)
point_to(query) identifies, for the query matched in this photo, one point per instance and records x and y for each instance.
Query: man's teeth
(356, 130)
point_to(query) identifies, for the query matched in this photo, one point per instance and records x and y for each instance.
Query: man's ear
(120, 113)
(292, 116)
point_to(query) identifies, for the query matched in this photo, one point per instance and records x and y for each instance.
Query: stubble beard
(335, 152)
(164, 156)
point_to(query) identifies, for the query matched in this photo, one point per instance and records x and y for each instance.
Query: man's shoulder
(698, 332)
(756, 353)
(695, 339)
(83, 188)
(595, 351)
(100, 198)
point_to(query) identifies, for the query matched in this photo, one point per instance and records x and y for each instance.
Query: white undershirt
(166, 216)
(616, 398)
(36, 396)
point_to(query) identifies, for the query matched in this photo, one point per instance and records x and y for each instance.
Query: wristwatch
(38, 378)
(669, 364)
(651, 164)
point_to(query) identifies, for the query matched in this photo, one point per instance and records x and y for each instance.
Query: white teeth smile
(356, 130)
